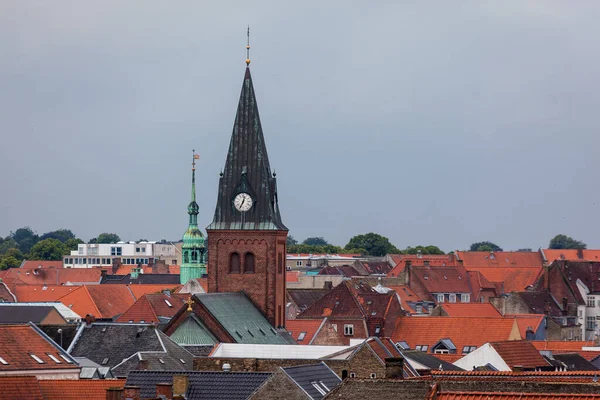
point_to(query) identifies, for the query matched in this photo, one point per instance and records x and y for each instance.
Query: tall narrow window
(249, 263)
(186, 257)
(234, 263)
(194, 256)
(279, 263)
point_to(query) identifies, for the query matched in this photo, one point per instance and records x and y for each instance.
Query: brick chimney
(89, 319)
(394, 368)
(165, 390)
(529, 333)
(131, 393)
(116, 264)
(328, 285)
(114, 393)
(180, 385)
(160, 267)
(143, 365)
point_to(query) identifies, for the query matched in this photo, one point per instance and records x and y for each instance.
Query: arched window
(249, 263)
(195, 256)
(186, 257)
(234, 263)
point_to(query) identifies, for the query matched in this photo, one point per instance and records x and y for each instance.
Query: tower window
(279, 263)
(194, 256)
(234, 263)
(186, 257)
(249, 263)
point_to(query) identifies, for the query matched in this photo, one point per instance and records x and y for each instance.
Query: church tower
(193, 260)
(247, 239)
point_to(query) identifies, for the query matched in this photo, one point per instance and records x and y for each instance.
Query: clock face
(243, 202)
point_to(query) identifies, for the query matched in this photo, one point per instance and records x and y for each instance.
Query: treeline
(24, 244)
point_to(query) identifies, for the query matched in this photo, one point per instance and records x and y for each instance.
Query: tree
(423, 250)
(315, 241)
(291, 241)
(310, 249)
(8, 244)
(47, 249)
(485, 246)
(60, 234)
(108, 238)
(72, 244)
(373, 244)
(525, 249)
(25, 237)
(9, 262)
(566, 242)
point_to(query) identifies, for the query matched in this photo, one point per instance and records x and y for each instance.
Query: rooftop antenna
(248, 46)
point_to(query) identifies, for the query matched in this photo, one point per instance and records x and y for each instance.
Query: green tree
(485, 246)
(315, 241)
(291, 241)
(310, 249)
(48, 249)
(7, 244)
(525, 249)
(72, 244)
(566, 242)
(9, 262)
(60, 234)
(25, 237)
(108, 238)
(373, 244)
(423, 249)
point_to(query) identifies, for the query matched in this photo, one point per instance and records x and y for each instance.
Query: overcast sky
(435, 123)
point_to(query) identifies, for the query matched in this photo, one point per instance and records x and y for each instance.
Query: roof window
(103, 329)
(105, 361)
(3, 361)
(319, 388)
(36, 358)
(301, 336)
(182, 360)
(56, 360)
(261, 331)
(422, 347)
(161, 360)
(66, 359)
(168, 303)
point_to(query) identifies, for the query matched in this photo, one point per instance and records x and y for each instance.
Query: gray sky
(428, 122)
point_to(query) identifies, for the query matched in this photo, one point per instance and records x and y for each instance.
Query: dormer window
(440, 298)
(452, 298)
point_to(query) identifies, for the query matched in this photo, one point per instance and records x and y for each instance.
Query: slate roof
(20, 387)
(20, 342)
(463, 331)
(202, 384)
(68, 389)
(242, 320)
(148, 308)
(143, 279)
(304, 298)
(519, 352)
(247, 169)
(428, 360)
(16, 314)
(304, 375)
(110, 344)
(344, 270)
(470, 310)
(575, 362)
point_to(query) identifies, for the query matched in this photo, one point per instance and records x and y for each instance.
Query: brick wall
(327, 336)
(279, 386)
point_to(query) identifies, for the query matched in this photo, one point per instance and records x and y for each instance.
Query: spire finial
(248, 46)
(193, 159)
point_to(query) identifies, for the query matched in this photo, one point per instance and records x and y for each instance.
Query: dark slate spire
(247, 170)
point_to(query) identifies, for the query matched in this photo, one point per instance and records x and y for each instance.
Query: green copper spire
(193, 250)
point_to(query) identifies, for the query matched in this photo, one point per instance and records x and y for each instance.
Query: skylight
(161, 360)
(56, 360)
(318, 387)
(169, 303)
(66, 359)
(105, 361)
(301, 336)
(3, 361)
(36, 358)
(182, 360)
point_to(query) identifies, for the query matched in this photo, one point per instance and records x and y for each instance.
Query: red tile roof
(513, 279)
(470, 310)
(525, 321)
(88, 389)
(571, 254)
(32, 293)
(519, 352)
(463, 331)
(6, 294)
(500, 259)
(512, 396)
(151, 306)
(139, 290)
(31, 264)
(399, 260)
(339, 302)
(20, 387)
(51, 276)
(559, 345)
(516, 375)
(309, 326)
(19, 342)
(101, 301)
(291, 276)
(406, 294)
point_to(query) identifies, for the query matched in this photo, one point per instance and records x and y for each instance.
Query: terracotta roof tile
(525, 321)
(377, 267)
(571, 255)
(514, 279)
(51, 276)
(20, 387)
(101, 301)
(558, 345)
(339, 302)
(20, 342)
(31, 264)
(344, 270)
(33, 293)
(309, 326)
(151, 306)
(88, 389)
(406, 295)
(512, 396)
(470, 310)
(291, 276)
(463, 331)
(399, 260)
(139, 290)
(519, 352)
(500, 259)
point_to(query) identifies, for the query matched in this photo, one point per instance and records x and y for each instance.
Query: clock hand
(243, 200)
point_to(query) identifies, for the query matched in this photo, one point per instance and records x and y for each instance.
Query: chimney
(160, 267)
(116, 264)
(143, 365)
(180, 385)
(407, 273)
(114, 393)
(529, 333)
(89, 319)
(394, 368)
(580, 254)
(165, 390)
(131, 393)
(135, 272)
(328, 285)
(565, 304)
(103, 274)
(151, 262)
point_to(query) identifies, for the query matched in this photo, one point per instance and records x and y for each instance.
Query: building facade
(90, 255)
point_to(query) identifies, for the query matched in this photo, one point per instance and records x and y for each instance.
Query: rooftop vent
(226, 367)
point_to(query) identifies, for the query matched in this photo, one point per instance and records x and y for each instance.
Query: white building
(90, 255)
(589, 314)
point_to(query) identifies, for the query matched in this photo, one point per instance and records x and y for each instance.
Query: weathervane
(248, 47)
(194, 158)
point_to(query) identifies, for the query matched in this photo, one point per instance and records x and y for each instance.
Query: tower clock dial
(243, 202)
